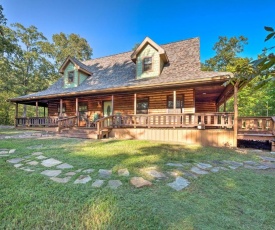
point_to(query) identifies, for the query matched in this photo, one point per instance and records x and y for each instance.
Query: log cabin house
(157, 92)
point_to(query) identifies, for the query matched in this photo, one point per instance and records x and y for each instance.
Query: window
(83, 108)
(71, 77)
(63, 108)
(147, 64)
(179, 102)
(142, 105)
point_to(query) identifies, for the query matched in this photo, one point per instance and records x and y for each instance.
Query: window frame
(140, 110)
(178, 98)
(71, 77)
(143, 64)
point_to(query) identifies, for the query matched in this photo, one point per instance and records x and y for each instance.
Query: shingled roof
(118, 72)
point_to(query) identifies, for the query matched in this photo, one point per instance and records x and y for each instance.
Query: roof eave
(221, 79)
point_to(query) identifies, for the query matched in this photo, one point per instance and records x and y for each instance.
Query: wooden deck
(215, 129)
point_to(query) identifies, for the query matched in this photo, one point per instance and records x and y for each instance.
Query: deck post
(76, 111)
(36, 108)
(135, 104)
(236, 88)
(60, 107)
(224, 105)
(174, 100)
(16, 114)
(112, 104)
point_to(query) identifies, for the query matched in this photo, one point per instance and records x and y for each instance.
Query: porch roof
(117, 73)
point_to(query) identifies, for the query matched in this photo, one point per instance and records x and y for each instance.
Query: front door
(107, 108)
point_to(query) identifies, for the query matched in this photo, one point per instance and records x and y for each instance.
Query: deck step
(80, 135)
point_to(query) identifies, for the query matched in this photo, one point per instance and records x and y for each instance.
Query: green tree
(226, 58)
(64, 45)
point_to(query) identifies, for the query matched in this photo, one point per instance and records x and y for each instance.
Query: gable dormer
(74, 72)
(149, 58)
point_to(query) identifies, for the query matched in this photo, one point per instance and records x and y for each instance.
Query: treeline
(29, 62)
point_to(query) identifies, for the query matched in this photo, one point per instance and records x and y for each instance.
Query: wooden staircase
(79, 132)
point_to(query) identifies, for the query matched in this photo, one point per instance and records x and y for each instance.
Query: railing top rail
(258, 117)
(66, 118)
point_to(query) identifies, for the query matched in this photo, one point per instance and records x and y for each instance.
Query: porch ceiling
(211, 93)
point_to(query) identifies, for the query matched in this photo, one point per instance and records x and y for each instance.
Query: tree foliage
(29, 62)
(69, 45)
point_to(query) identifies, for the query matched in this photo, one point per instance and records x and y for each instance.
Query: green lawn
(233, 199)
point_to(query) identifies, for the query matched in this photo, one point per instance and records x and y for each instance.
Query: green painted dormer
(74, 72)
(149, 58)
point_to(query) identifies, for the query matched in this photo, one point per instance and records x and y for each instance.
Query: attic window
(71, 77)
(147, 64)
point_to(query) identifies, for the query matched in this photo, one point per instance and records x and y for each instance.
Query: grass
(233, 199)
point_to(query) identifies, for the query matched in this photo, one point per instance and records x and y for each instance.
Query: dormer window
(71, 77)
(147, 64)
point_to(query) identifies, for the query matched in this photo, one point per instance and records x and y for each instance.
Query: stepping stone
(50, 162)
(61, 180)
(70, 174)
(233, 164)
(270, 159)
(64, 166)
(51, 173)
(272, 152)
(88, 170)
(28, 169)
(123, 172)
(198, 171)
(253, 163)
(215, 169)
(3, 152)
(41, 157)
(4, 155)
(35, 147)
(12, 151)
(258, 167)
(114, 184)
(104, 172)
(204, 166)
(83, 179)
(33, 163)
(179, 184)
(15, 160)
(37, 153)
(98, 183)
(17, 165)
(139, 182)
(174, 164)
(270, 165)
(79, 170)
(155, 174)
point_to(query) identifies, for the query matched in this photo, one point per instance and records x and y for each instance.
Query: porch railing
(264, 125)
(184, 120)
(67, 122)
(36, 121)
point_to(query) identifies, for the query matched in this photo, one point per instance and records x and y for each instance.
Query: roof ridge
(133, 50)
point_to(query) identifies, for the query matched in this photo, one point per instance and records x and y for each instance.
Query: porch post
(16, 114)
(236, 88)
(60, 107)
(224, 104)
(36, 108)
(76, 111)
(44, 112)
(174, 101)
(135, 104)
(112, 104)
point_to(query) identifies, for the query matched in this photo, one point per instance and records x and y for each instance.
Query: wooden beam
(174, 100)
(36, 108)
(60, 107)
(16, 114)
(112, 104)
(236, 88)
(76, 111)
(135, 103)
(44, 112)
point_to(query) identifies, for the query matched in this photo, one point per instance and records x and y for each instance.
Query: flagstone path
(178, 176)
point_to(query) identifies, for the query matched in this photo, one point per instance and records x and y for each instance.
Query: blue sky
(115, 26)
